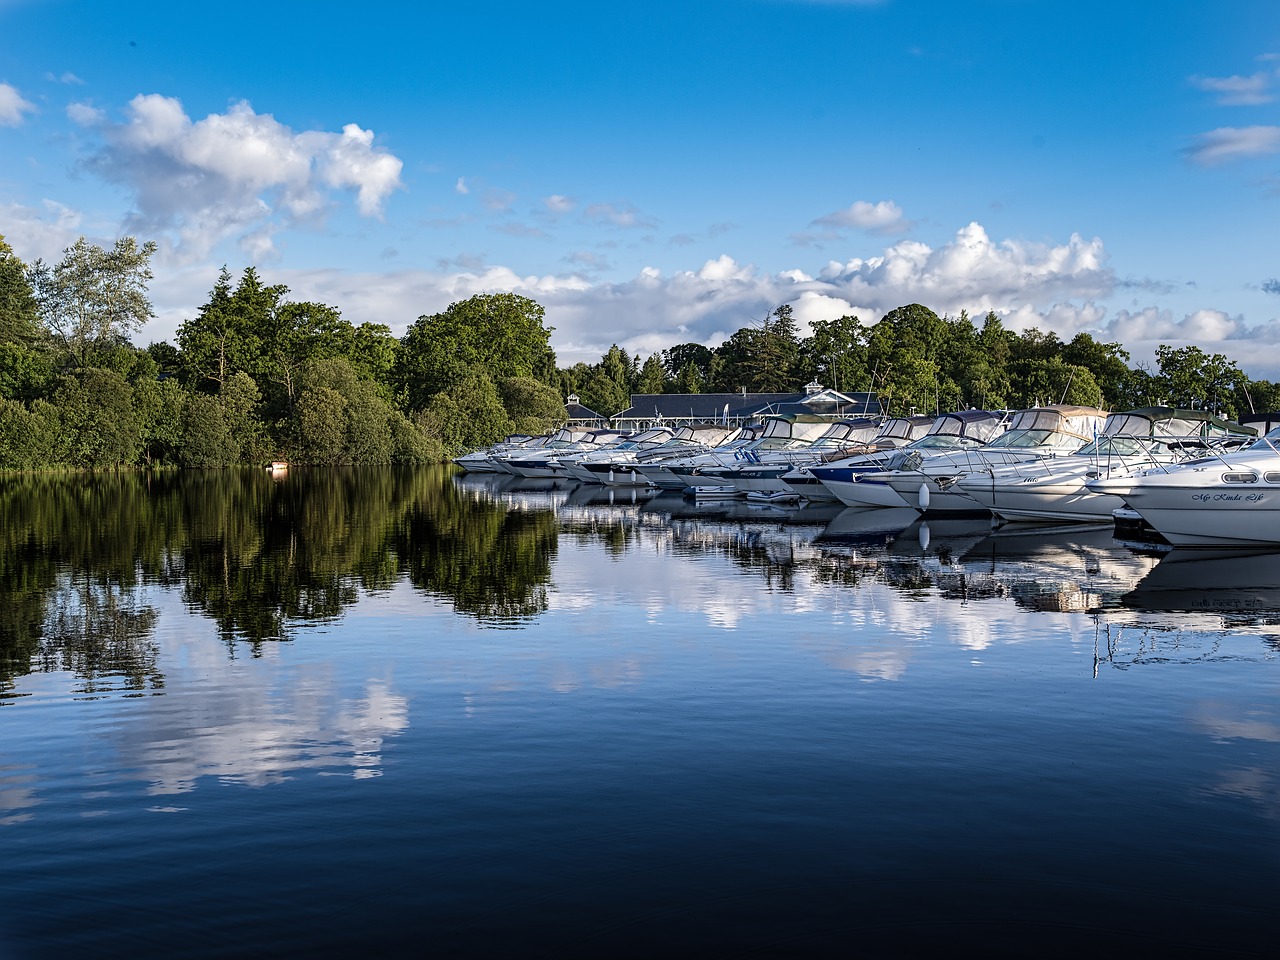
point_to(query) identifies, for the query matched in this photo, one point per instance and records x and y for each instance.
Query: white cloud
(586, 260)
(559, 205)
(239, 173)
(1050, 286)
(1234, 143)
(85, 115)
(882, 217)
(1152, 325)
(461, 186)
(723, 268)
(1236, 90)
(1054, 287)
(973, 272)
(36, 234)
(12, 106)
(350, 162)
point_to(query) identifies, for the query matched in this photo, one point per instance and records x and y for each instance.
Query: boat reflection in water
(1221, 582)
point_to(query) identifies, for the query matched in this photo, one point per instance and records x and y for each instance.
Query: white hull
(1243, 518)
(1045, 501)
(811, 488)
(936, 499)
(866, 493)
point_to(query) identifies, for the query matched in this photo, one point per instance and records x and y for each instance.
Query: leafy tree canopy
(498, 334)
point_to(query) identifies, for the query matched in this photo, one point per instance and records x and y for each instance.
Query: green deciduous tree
(468, 417)
(533, 406)
(835, 354)
(27, 435)
(206, 437)
(500, 335)
(94, 296)
(99, 428)
(1190, 377)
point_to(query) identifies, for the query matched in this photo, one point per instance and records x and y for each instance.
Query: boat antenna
(1068, 386)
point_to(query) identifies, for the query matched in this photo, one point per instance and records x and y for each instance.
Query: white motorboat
(1047, 489)
(592, 466)
(761, 471)
(632, 470)
(790, 431)
(892, 434)
(860, 481)
(693, 440)
(1225, 500)
(485, 461)
(1041, 432)
(544, 464)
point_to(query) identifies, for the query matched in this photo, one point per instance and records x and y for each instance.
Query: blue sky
(664, 172)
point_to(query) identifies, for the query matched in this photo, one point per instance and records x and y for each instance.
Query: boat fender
(924, 497)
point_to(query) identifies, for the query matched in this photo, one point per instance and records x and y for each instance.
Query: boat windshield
(781, 443)
(1268, 441)
(942, 441)
(1027, 439)
(1114, 447)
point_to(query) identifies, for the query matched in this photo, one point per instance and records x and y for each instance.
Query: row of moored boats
(1193, 478)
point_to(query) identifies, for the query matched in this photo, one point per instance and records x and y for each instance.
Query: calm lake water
(407, 713)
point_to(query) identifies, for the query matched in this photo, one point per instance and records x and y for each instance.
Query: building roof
(575, 412)
(747, 406)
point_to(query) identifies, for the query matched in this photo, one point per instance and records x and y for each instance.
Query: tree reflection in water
(257, 556)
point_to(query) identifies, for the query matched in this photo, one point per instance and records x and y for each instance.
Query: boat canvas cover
(1155, 422)
(906, 428)
(1082, 422)
(795, 426)
(850, 431)
(979, 425)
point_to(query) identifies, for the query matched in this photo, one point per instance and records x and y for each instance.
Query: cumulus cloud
(1271, 286)
(13, 106)
(1234, 143)
(882, 217)
(1055, 286)
(1236, 90)
(1154, 325)
(239, 173)
(974, 272)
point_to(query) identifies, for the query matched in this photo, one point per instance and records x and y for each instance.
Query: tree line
(256, 374)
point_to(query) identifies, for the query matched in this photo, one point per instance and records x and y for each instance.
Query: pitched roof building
(576, 415)
(651, 408)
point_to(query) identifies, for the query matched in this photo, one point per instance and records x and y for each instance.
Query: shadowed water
(414, 713)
